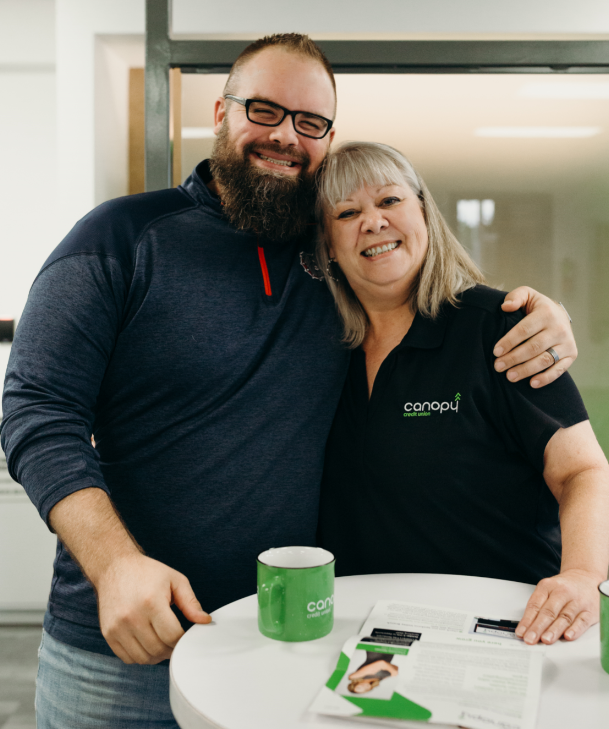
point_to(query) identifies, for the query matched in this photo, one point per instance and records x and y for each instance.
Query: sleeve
(529, 417)
(61, 350)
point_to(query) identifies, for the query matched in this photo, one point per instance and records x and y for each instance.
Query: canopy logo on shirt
(422, 409)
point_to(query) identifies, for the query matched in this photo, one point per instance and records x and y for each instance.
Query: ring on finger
(554, 354)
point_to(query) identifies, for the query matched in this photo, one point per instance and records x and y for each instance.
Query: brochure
(413, 663)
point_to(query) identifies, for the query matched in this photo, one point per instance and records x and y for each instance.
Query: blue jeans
(77, 689)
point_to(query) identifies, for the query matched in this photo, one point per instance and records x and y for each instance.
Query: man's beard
(276, 206)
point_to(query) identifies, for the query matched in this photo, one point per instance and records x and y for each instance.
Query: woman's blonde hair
(447, 269)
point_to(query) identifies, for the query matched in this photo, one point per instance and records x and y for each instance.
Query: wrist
(106, 569)
(597, 575)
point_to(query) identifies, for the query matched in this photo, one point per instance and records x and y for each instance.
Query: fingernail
(569, 634)
(499, 366)
(520, 632)
(547, 636)
(530, 638)
(512, 376)
(535, 383)
(498, 351)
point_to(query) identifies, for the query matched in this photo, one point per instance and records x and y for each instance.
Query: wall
(27, 235)
(27, 185)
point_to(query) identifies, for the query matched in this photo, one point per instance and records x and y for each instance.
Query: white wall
(114, 56)
(78, 22)
(28, 132)
(28, 234)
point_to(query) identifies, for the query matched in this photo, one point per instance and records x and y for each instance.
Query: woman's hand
(523, 350)
(566, 604)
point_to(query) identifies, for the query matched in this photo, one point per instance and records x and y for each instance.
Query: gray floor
(18, 666)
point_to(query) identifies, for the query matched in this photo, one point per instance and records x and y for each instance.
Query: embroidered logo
(422, 409)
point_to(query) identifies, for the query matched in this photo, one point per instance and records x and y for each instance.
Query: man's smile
(272, 160)
(283, 162)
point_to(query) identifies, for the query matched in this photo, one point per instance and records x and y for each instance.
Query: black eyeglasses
(269, 114)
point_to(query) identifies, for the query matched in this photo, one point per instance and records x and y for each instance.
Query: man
(181, 329)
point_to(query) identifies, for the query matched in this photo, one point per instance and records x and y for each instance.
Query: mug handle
(270, 623)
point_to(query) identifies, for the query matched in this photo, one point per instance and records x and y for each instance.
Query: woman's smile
(379, 249)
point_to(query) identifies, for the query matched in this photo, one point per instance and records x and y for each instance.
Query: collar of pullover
(196, 186)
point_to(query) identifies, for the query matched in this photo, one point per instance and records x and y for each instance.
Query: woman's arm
(577, 473)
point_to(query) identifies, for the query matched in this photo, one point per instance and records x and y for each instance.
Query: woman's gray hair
(447, 269)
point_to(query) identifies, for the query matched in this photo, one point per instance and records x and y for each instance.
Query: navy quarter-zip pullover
(207, 364)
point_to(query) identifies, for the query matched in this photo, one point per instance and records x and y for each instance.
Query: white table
(227, 675)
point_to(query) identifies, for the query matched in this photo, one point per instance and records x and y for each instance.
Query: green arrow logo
(458, 396)
(398, 707)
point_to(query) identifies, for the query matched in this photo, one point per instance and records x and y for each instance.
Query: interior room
(517, 163)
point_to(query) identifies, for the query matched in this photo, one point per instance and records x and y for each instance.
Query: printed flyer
(413, 663)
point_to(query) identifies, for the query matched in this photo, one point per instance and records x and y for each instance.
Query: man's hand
(134, 592)
(565, 604)
(522, 352)
(134, 597)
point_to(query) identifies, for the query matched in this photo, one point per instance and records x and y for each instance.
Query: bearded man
(180, 328)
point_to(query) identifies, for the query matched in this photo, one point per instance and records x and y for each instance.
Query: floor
(18, 666)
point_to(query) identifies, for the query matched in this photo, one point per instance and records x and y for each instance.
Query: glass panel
(518, 165)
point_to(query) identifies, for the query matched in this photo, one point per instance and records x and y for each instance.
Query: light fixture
(538, 132)
(198, 133)
(566, 90)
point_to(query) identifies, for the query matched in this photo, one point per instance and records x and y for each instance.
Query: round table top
(227, 675)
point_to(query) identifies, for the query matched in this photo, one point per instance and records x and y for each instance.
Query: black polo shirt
(441, 470)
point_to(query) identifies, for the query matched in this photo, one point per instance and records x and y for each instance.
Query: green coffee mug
(603, 588)
(295, 593)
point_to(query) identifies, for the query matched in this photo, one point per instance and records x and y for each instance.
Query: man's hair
(292, 42)
(447, 269)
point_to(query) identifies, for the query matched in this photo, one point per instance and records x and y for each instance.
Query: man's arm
(134, 592)
(63, 344)
(523, 350)
(577, 473)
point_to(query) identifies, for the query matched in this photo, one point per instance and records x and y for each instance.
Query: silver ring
(553, 353)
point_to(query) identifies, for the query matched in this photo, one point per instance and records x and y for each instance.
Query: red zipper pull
(265, 272)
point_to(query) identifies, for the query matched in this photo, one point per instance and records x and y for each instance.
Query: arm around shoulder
(523, 351)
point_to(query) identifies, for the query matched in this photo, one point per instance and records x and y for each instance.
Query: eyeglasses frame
(286, 112)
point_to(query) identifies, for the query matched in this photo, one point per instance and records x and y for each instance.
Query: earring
(328, 270)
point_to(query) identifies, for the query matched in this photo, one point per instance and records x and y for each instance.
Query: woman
(435, 463)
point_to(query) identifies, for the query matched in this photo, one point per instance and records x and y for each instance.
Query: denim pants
(77, 689)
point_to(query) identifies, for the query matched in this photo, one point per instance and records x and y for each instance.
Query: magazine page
(393, 614)
(413, 663)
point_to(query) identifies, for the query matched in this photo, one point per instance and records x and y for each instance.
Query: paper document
(413, 663)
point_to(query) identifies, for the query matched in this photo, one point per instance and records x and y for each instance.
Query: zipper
(265, 271)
